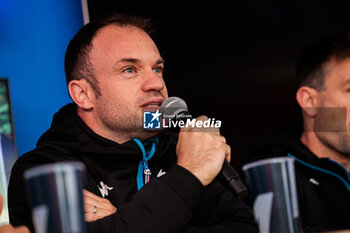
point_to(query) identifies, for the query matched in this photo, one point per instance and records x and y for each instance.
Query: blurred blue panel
(34, 35)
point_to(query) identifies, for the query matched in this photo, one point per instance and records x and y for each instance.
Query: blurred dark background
(235, 61)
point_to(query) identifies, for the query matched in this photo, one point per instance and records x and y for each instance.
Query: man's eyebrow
(159, 61)
(128, 60)
(136, 61)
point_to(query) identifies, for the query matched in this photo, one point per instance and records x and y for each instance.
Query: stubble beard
(337, 141)
(332, 129)
(123, 121)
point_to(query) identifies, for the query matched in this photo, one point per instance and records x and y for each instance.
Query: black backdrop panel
(233, 60)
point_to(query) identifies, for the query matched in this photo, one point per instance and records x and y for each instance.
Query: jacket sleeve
(219, 211)
(175, 203)
(162, 205)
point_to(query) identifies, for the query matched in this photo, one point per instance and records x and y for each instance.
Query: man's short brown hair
(312, 61)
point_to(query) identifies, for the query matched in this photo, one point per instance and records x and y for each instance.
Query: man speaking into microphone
(137, 180)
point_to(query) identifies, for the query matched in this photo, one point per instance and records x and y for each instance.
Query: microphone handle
(229, 177)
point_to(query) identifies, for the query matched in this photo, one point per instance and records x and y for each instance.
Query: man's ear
(307, 99)
(82, 93)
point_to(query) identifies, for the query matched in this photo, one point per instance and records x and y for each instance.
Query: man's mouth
(154, 102)
(153, 105)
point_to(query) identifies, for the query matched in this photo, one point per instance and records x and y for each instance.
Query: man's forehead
(120, 33)
(127, 44)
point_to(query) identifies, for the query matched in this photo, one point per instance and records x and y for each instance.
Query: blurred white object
(4, 217)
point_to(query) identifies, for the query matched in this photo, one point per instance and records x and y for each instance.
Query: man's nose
(153, 82)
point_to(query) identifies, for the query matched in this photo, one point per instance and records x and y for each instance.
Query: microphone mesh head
(172, 106)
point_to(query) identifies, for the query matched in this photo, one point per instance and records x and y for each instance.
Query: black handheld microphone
(175, 109)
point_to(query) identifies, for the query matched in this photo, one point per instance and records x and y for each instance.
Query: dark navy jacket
(174, 202)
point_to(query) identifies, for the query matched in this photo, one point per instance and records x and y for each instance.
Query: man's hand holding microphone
(202, 151)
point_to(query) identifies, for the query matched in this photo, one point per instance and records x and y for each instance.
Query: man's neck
(311, 141)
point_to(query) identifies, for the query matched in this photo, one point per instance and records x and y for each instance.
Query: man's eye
(158, 69)
(129, 70)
